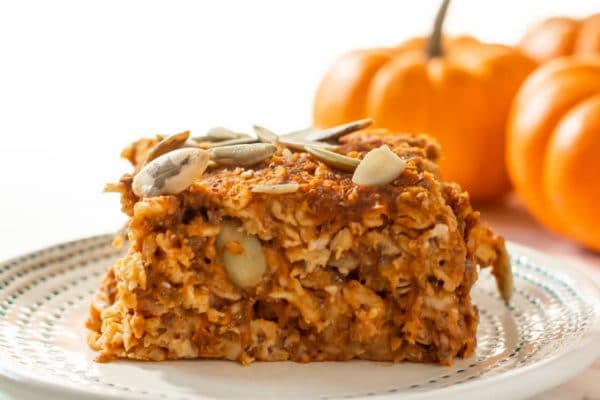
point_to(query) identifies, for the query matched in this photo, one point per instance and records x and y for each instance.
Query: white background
(80, 80)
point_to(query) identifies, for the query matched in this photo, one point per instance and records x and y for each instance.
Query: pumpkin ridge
(558, 37)
(570, 178)
(529, 181)
(553, 138)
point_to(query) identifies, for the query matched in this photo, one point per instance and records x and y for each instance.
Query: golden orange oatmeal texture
(318, 268)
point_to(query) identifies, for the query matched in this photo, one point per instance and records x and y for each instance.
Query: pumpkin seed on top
(299, 145)
(218, 134)
(333, 159)
(167, 144)
(379, 167)
(242, 154)
(281, 188)
(330, 133)
(171, 173)
(230, 142)
(265, 135)
(299, 133)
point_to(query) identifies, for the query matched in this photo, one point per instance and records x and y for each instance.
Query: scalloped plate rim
(587, 350)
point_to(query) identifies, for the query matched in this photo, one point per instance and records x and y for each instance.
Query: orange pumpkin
(562, 36)
(553, 147)
(458, 90)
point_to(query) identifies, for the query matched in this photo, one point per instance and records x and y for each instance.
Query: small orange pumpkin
(561, 36)
(553, 147)
(458, 90)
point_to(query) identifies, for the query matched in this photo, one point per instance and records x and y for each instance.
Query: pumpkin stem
(434, 45)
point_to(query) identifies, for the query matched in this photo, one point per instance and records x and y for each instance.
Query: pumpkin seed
(300, 133)
(265, 135)
(167, 144)
(221, 133)
(281, 188)
(230, 142)
(242, 154)
(170, 173)
(243, 258)
(191, 143)
(404, 290)
(299, 145)
(380, 166)
(218, 134)
(403, 287)
(333, 159)
(330, 133)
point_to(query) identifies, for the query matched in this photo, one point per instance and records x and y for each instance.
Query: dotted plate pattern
(45, 296)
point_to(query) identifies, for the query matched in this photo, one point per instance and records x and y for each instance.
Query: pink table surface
(510, 218)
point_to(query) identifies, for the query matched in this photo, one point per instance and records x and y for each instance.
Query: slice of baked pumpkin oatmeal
(318, 245)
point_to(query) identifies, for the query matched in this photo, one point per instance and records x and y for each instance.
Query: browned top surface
(327, 190)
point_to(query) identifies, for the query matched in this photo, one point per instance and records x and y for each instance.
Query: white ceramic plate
(550, 333)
